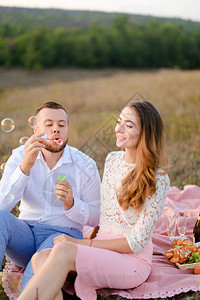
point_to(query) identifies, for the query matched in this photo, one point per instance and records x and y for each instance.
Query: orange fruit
(197, 271)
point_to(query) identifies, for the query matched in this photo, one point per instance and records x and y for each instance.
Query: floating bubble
(11, 197)
(32, 121)
(23, 140)
(2, 167)
(7, 125)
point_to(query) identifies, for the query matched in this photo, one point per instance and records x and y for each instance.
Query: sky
(185, 9)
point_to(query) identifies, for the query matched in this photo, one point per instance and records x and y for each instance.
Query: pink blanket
(165, 280)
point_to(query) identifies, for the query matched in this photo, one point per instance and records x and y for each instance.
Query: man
(49, 207)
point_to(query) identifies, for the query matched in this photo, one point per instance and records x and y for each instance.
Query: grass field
(93, 99)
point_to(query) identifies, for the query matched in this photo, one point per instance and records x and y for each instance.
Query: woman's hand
(68, 239)
(64, 238)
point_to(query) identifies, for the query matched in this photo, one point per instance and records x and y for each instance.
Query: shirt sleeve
(13, 183)
(86, 209)
(142, 230)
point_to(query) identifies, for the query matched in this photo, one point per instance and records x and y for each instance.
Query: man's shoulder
(81, 157)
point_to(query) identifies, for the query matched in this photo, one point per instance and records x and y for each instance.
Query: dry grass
(94, 97)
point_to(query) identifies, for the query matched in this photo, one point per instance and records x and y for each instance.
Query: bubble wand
(57, 141)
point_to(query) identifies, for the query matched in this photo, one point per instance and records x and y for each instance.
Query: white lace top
(136, 226)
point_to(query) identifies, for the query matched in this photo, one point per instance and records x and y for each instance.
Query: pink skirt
(100, 268)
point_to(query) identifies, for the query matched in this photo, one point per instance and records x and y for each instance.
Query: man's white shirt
(37, 195)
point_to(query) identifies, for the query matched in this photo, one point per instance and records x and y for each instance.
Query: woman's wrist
(85, 242)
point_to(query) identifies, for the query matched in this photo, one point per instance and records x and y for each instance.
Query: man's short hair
(52, 105)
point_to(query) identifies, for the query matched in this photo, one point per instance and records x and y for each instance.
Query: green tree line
(122, 44)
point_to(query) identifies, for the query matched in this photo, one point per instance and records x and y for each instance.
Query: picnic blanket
(165, 280)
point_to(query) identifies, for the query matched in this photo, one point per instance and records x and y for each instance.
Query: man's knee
(4, 214)
(4, 217)
(7, 220)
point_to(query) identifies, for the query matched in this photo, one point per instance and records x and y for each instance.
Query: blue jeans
(20, 240)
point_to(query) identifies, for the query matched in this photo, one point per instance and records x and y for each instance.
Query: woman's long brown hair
(141, 182)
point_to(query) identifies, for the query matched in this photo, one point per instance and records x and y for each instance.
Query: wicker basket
(188, 266)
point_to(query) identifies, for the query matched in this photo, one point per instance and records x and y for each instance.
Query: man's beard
(53, 149)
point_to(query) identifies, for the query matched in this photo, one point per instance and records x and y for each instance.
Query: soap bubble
(7, 125)
(2, 167)
(58, 142)
(32, 121)
(23, 140)
(10, 198)
(48, 188)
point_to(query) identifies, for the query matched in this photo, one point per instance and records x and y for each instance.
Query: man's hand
(64, 193)
(32, 147)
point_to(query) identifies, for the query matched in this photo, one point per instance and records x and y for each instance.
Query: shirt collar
(64, 159)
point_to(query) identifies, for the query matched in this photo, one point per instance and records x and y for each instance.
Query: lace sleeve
(142, 230)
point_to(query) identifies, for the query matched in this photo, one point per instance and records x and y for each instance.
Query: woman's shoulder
(113, 158)
(113, 155)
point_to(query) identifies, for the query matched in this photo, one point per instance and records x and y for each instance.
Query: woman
(133, 193)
